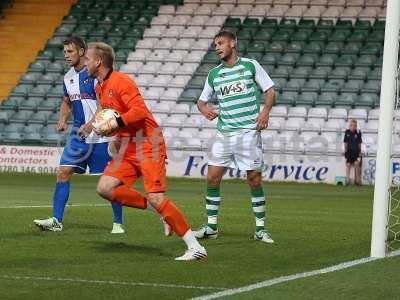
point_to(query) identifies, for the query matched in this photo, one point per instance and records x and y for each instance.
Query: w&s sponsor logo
(233, 89)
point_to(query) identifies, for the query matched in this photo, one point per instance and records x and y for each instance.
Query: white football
(104, 115)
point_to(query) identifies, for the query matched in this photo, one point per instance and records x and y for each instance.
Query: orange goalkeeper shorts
(129, 169)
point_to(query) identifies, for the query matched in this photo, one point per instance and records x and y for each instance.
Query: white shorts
(241, 151)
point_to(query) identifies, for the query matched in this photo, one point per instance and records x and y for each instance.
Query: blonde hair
(353, 121)
(105, 52)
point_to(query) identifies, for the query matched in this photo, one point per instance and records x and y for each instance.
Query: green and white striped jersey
(237, 93)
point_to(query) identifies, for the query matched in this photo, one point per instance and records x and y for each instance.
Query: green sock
(258, 205)
(212, 206)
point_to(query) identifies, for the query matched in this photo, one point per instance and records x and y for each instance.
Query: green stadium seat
(121, 55)
(372, 86)
(279, 84)
(242, 47)
(295, 47)
(29, 78)
(53, 118)
(89, 19)
(13, 127)
(244, 35)
(281, 72)
(371, 48)
(32, 139)
(263, 35)
(289, 59)
(370, 100)
(196, 82)
(64, 30)
(11, 103)
(210, 58)
(346, 99)
(307, 99)
(21, 90)
(55, 67)
(39, 91)
(127, 44)
(344, 24)
(38, 66)
(251, 23)
(326, 60)
(332, 85)
(47, 55)
(125, 20)
(136, 33)
(318, 36)
(99, 33)
(378, 62)
(49, 105)
(13, 138)
(275, 47)
(288, 24)
(270, 59)
(49, 78)
(52, 139)
(365, 61)
(255, 55)
(286, 98)
(32, 128)
(55, 42)
(294, 85)
(256, 46)
(352, 86)
(325, 24)
(346, 60)
(300, 36)
(359, 73)
(351, 48)
(108, 19)
(55, 92)
(306, 24)
(376, 36)
(362, 24)
(375, 74)
(71, 19)
(320, 72)
(204, 68)
(333, 48)
(269, 23)
(326, 99)
(314, 47)
(301, 72)
(143, 21)
(339, 73)
(313, 85)
(281, 35)
(190, 95)
(22, 116)
(4, 117)
(358, 36)
(379, 25)
(40, 117)
(30, 104)
(339, 35)
(306, 60)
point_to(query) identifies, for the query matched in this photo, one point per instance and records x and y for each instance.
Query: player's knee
(102, 190)
(254, 180)
(155, 199)
(213, 180)
(64, 174)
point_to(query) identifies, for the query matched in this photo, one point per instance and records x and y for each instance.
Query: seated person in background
(352, 151)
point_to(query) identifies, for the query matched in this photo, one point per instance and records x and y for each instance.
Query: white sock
(191, 240)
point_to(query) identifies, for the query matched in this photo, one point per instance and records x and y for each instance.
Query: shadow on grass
(122, 247)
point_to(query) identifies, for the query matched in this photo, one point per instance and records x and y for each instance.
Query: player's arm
(205, 96)
(345, 143)
(65, 111)
(267, 86)
(88, 127)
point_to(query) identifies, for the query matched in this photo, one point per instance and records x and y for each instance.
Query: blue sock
(117, 211)
(60, 199)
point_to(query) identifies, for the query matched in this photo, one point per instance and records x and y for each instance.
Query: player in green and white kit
(238, 141)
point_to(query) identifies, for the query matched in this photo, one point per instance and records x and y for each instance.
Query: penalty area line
(278, 280)
(110, 282)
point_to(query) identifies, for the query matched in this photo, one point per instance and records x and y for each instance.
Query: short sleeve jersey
(236, 88)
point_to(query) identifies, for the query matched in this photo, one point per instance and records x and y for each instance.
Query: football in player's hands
(105, 123)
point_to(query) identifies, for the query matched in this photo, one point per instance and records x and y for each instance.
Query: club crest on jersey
(86, 81)
(233, 89)
(110, 93)
(71, 81)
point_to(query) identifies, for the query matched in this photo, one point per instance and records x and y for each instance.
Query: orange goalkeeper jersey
(119, 92)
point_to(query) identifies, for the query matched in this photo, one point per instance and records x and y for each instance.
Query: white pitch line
(50, 206)
(278, 280)
(110, 282)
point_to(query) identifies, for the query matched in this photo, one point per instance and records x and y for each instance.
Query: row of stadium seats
(326, 3)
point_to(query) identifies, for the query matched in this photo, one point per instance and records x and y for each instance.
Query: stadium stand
(324, 56)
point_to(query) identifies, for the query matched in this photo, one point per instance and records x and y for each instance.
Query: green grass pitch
(314, 226)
